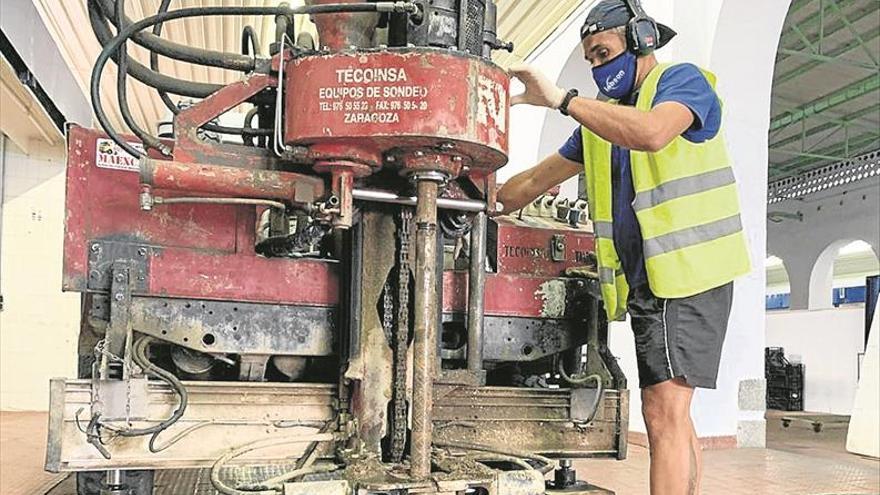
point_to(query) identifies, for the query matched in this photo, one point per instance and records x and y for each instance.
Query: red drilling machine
(321, 299)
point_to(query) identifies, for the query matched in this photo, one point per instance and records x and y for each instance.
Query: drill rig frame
(330, 289)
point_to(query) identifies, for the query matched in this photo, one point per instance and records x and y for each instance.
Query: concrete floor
(797, 461)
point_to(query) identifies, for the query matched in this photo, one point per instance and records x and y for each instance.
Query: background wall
(711, 35)
(39, 324)
(831, 219)
(828, 343)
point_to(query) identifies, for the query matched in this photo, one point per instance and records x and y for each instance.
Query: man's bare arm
(524, 187)
(624, 126)
(632, 128)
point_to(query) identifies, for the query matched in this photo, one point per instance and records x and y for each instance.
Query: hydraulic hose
(143, 74)
(547, 465)
(184, 53)
(580, 380)
(113, 45)
(250, 42)
(140, 358)
(169, 103)
(122, 92)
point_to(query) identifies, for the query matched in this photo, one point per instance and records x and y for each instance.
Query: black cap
(610, 14)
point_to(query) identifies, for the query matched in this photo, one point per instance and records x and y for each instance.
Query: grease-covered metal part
(476, 290)
(426, 320)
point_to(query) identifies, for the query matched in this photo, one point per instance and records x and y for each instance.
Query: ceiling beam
(815, 22)
(815, 57)
(812, 64)
(851, 119)
(843, 95)
(853, 31)
(807, 154)
(840, 151)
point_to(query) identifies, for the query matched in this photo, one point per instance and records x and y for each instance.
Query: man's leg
(675, 460)
(697, 451)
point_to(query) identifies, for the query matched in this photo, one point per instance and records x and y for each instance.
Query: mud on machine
(320, 291)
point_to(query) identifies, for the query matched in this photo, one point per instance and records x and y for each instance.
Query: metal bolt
(418, 154)
(141, 278)
(447, 146)
(142, 252)
(456, 158)
(119, 297)
(580, 284)
(120, 277)
(390, 159)
(96, 248)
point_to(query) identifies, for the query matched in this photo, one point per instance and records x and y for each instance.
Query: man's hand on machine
(540, 91)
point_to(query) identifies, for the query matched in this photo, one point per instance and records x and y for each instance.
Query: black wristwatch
(563, 107)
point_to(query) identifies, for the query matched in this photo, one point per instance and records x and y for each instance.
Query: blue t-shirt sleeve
(686, 84)
(573, 149)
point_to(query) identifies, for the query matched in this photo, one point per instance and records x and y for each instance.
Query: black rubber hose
(250, 42)
(169, 103)
(122, 93)
(212, 58)
(184, 53)
(139, 354)
(140, 72)
(113, 45)
(154, 59)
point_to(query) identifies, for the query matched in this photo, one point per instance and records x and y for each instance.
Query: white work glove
(540, 91)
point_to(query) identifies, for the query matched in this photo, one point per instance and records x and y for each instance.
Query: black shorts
(679, 338)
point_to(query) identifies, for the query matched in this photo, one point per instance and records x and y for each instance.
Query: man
(665, 212)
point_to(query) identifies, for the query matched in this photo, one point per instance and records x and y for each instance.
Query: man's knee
(666, 407)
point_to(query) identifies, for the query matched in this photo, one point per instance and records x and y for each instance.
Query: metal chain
(398, 438)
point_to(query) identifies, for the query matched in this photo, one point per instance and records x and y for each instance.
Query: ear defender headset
(643, 33)
(641, 30)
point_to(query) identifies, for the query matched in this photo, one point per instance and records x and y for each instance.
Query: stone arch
(822, 273)
(778, 276)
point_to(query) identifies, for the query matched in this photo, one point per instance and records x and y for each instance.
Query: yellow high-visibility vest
(687, 207)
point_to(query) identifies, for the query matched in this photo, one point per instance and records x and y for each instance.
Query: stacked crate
(785, 381)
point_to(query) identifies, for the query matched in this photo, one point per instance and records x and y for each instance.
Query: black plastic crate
(785, 381)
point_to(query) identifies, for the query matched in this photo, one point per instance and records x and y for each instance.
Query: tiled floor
(22, 454)
(797, 462)
(745, 472)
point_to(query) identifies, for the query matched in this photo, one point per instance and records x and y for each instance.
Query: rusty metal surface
(511, 339)
(425, 328)
(519, 295)
(236, 327)
(537, 420)
(370, 365)
(527, 248)
(400, 98)
(188, 147)
(220, 415)
(344, 30)
(476, 294)
(189, 178)
(196, 251)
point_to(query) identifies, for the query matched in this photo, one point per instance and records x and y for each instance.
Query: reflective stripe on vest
(603, 229)
(684, 186)
(687, 206)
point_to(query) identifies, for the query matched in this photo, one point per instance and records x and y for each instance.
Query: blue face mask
(617, 77)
